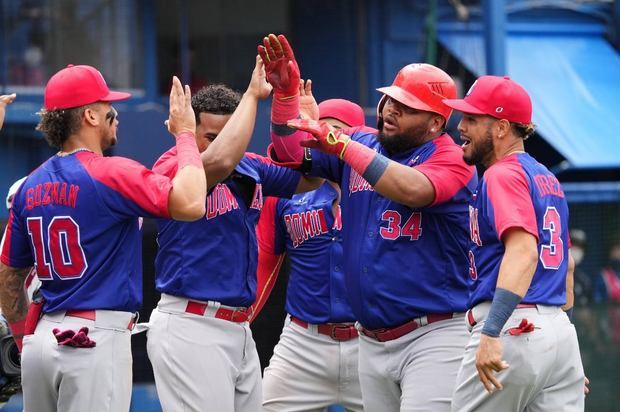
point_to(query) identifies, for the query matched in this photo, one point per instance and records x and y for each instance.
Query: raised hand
(5, 100)
(308, 109)
(259, 87)
(327, 139)
(280, 65)
(181, 118)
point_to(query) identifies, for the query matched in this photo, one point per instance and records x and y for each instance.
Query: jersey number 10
(63, 246)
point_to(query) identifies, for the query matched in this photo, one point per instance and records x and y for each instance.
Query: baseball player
(76, 219)
(5, 100)
(314, 364)
(199, 339)
(405, 194)
(522, 343)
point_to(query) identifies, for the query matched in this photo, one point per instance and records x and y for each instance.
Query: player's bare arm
(5, 100)
(189, 186)
(223, 155)
(570, 284)
(515, 275)
(13, 298)
(397, 182)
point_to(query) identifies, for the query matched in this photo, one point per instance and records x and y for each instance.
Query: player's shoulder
(504, 171)
(444, 145)
(167, 162)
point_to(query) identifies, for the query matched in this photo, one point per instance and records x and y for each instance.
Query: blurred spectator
(608, 284)
(583, 282)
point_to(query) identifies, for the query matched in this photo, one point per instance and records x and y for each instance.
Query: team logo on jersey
(55, 193)
(305, 225)
(358, 184)
(474, 229)
(220, 201)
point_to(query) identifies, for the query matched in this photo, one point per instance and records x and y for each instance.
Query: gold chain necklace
(80, 149)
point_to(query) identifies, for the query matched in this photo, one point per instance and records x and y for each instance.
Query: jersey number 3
(63, 246)
(552, 255)
(412, 228)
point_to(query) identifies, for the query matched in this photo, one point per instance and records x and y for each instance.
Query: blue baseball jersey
(402, 262)
(214, 258)
(308, 229)
(76, 219)
(519, 192)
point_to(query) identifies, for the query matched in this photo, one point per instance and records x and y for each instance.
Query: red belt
(386, 334)
(336, 331)
(92, 315)
(472, 322)
(238, 316)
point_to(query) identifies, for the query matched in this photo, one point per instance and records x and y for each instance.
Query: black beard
(481, 152)
(400, 143)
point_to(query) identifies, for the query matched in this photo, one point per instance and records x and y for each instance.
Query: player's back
(78, 217)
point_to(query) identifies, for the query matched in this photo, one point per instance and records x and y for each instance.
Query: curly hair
(524, 131)
(58, 125)
(215, 99)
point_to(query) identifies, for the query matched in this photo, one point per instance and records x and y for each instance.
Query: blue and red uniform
(214, 258)
(403, 263)
(519, 192)
(308, 229)
(78, 224)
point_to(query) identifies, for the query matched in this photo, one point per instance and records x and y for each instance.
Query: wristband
(187, 151)
(504, 303)
(365, 161)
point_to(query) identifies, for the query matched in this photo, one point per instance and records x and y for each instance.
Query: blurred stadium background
(564, 52)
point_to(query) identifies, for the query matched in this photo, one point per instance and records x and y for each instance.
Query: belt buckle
(336, 328)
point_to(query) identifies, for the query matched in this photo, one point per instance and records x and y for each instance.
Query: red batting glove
(524, 327)
(329, 140)
(280, 65)
(70, 338)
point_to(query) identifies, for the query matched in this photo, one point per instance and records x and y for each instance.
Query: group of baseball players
(414, 285)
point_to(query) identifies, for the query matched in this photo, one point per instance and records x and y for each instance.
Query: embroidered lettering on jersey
(305, 225)
(55, 193)
(357, 183)
(474, 229)
(548, 186)
(337, 219)
(220, 201)
(257, 199)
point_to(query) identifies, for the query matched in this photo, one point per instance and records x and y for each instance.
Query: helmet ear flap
(379, 112)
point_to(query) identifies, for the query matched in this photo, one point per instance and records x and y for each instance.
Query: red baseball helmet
(421, 86)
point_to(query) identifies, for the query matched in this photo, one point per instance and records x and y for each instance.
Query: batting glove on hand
(280, 65)
(329, 140)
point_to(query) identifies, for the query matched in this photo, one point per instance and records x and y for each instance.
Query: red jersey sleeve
(446, 170)
(508, 193)
(15, 245)
(139, 191)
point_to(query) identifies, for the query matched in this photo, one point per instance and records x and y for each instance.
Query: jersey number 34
(411, 228)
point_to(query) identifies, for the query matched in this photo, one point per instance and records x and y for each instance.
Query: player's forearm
(13, 298)
(286, 139)
(223, 155)
(519, 262)
(400, 183)
(187, 198)
(570, 284)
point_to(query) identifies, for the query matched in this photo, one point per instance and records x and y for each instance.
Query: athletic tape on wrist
(187, 151)
(504, 303)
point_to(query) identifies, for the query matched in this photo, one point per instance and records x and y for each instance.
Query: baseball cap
(76, 86)
(343, 110)
(496, 96)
